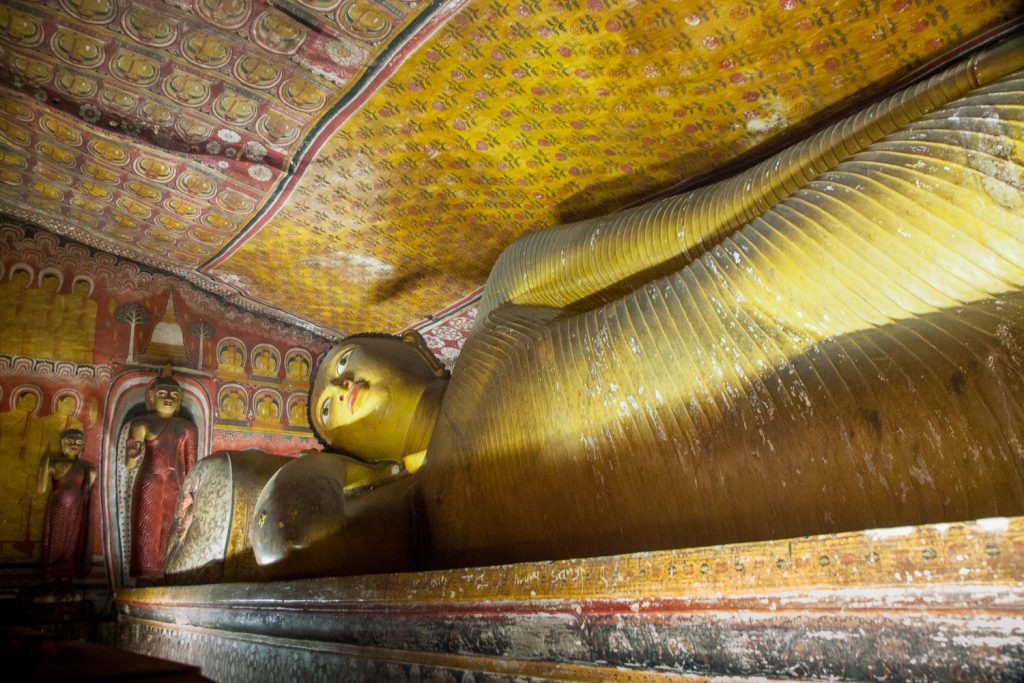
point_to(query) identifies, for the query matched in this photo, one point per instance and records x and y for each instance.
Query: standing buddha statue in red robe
(65, 553)
(166, 444)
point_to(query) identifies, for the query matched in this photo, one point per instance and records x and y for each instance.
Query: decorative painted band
(937, 602)
(382, 68)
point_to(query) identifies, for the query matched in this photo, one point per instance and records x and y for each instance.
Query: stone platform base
(937, 603)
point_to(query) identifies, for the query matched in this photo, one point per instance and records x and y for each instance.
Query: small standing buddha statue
(69, 479)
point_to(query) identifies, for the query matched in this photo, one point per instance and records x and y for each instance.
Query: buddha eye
(325, 410)
(343, 361)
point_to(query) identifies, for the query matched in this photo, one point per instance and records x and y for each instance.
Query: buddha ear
(416, 340)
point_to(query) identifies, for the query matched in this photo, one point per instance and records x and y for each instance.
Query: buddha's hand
(135, 449)
(298, 510)
(307, 524)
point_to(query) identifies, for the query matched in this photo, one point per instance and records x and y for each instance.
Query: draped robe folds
(167, 460)
(830, 341)
(65, 551)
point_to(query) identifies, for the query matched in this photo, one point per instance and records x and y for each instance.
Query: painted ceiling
(358, 165)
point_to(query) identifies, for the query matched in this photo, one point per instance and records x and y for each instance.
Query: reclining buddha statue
(831, 340)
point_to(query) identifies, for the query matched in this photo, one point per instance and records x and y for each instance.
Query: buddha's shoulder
(511, 325)
(499, 347)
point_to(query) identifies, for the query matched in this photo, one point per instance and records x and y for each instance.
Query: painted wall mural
(447, 330)
(39, 400)
(73, 320)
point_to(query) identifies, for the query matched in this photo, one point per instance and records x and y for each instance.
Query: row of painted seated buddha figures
(832, 340)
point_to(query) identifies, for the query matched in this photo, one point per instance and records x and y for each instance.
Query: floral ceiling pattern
(359, 164)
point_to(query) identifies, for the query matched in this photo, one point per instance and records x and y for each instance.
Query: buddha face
(72, 445)
(165, 400)
(67, 406)
(366, 393)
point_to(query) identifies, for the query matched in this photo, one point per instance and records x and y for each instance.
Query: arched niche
(298, 363)
(126, 399)
(233, 404)
(265, 361)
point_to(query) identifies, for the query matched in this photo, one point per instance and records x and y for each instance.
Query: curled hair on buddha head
(168, 382)
(410, 337)
(72, 433)
(165, 379)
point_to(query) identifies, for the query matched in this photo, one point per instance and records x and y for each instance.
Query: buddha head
(163, 396)
(21, 278)
(371, 392)
(49, 283)
(67, 406)
(26, 402)
(81, 288)
(72, 442)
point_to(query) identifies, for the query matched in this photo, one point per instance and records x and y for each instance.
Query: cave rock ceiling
(359, 164)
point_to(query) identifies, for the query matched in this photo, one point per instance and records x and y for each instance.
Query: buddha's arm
(849, 358)
(919, 224)
(135, 446)
(325, 513)
(43, 475)
(595, 261)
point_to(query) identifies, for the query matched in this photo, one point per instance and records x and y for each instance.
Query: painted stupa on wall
(167, 343)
